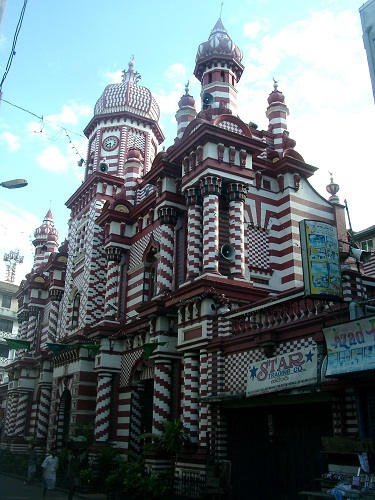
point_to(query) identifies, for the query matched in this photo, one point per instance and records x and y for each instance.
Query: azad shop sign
(350, 346)
(286, 371)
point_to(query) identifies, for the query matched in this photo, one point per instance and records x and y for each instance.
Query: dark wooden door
(276, 451)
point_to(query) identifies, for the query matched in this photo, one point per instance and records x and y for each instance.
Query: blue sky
(68, 51)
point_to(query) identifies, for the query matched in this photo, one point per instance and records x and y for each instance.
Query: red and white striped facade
(143, 263)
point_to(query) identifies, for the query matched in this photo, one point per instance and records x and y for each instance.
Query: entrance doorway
(277, 451)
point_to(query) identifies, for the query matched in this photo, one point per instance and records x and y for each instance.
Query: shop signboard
(350, 346)
(285, 371)
(320, 259)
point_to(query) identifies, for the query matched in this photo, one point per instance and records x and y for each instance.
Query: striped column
(162, 394)
(190, 410)
(12, 401)
(103, 407)
(42, 417)
(211, 190)
(56, 296)
(237, 196)
(194, 232)
(32, 325)
(203, 392)
(114, 255)
(168, 218)
(136, 418)
(20, 425)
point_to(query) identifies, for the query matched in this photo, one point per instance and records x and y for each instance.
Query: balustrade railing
(272, 316)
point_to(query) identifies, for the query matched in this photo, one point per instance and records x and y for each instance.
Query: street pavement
(14, 488)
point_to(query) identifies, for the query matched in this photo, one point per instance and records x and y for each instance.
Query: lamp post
(14, 183)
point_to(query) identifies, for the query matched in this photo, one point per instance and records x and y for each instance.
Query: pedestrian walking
(49, 467)
(73, 473)
(31, 470)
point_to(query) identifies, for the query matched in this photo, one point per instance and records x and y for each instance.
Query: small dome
(128, 96)
(47, 231)
(276, 96)
(186, 100)
(134, 153)
(218, 43)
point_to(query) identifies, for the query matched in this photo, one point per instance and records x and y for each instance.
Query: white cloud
(254, 28)
(54, 160)
(11, 140)
(115, 77)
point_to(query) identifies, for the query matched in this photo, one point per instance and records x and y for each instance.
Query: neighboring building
(366, 241)
(367, 14)
(179, 293)
(8, 330)
(8, 323)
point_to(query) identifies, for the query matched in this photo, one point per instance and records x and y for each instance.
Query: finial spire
(275, 84)
(221, 9)
(130, 75)
(187, 87)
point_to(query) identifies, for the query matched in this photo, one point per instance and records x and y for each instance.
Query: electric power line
(13, 51)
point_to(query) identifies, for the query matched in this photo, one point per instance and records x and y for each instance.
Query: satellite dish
(207, 100)
(227, 251)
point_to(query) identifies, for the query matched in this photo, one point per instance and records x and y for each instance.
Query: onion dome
(47, 231)
(128, 96)
(187, 99)
(134, 154)
(276, 96)
(219, 44)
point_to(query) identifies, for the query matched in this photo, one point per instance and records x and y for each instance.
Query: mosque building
(181, 293)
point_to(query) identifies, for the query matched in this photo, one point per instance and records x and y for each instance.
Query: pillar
(162, 394)
(203, 392)
(21, 417)
(168, 218)
(237, 197)
(210, 190)
(103, 407)
(194, 232)
(114, 255)
(191, 395)
(42, 417)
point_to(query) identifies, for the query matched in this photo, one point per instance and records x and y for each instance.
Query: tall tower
(218, 67)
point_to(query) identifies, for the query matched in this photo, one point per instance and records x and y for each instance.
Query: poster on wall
(285, 371)
(350, 346)
(320, 260)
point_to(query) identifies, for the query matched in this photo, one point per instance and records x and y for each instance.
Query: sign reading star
(253, 372)
(309, 356)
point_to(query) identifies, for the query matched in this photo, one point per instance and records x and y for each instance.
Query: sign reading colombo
(285, 371)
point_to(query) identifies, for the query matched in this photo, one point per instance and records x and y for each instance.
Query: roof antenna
(221, 9)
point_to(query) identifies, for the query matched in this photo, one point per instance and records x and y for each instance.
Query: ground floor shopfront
(276, 450)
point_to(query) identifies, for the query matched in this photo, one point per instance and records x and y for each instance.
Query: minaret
(45, 241)
(276, 113)
(218, 67)
(186, 112)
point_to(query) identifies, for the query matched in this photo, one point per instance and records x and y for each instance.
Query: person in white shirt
(49, 467)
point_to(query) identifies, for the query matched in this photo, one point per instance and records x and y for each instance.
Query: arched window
(75, 311)
(150, 275)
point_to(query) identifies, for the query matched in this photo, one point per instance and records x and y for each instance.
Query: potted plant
(86, 478)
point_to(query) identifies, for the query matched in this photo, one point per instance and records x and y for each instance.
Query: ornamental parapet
(56, 294)
(114, 254)
(278, 314)
(167, 215)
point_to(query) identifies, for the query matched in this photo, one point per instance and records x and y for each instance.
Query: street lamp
(14, 184)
